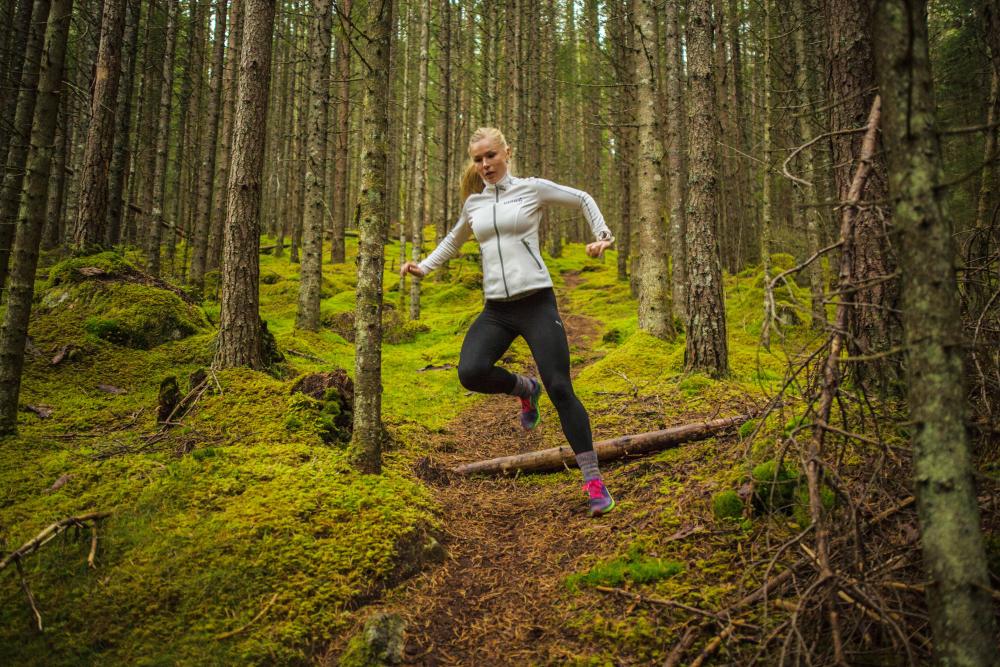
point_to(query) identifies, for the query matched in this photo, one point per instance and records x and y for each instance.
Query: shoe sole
(594, 515)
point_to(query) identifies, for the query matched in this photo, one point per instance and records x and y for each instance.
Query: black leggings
(536, 318)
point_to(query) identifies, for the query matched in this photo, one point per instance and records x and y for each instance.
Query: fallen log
(556, 458)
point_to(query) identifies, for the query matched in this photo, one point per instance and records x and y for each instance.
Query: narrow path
(510, 545)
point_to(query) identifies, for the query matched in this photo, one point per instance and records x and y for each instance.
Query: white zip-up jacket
(504, 218)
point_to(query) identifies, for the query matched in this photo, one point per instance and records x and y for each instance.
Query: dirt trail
(510, 545)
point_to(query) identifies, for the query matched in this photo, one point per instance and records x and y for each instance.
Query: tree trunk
(91, 223)
(53, 232)
(706, 347)
(624, 118)
(557, 458)
(31, 216)
(319, 101)
(441, 228)
(367, 436)
(17, 43)
(152, 86)
(220, 192)
(767, 190)
(341, 204)
(873, 325)
(655, 309)
(239, 318)
(677, 177)
(958, 596)
(418, 208)
(17, 156)
(121, 155)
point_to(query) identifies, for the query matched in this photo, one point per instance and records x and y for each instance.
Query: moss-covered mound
(110, 299)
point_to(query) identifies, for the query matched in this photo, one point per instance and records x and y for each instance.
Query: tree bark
(958, 597)
(121, 155)
(367, 436)
(557, 458)
(156, 217)
(90, 231)
(341, 204)
(418, 208)
(319, 101)
(655, 309)
(676, 175)
(17, 42)
(31, 218)
(239, 318)
(873, 326)
(706, 346)
(17, 156)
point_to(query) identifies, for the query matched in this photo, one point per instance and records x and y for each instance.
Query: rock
(380, 643)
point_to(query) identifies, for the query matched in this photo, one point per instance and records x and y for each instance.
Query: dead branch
(31, 598)
(49, 533)
(232, 633)
(557, 458)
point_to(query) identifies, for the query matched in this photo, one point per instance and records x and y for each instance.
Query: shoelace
(594, 488)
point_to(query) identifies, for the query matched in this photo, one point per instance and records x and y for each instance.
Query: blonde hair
(471, 183)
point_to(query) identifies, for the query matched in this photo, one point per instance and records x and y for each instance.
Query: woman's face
(490, 159)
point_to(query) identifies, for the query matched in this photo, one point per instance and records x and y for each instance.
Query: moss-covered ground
(239, 537)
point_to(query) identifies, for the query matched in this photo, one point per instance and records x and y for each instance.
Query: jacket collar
(503, 184)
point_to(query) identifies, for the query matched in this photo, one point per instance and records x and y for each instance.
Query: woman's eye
(491, 155)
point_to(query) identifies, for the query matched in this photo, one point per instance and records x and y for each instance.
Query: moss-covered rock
(380, 643)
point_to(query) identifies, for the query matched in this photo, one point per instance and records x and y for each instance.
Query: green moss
(801, 511)
(774, 486)
(634, 567)
(727, 505)
(106, 264)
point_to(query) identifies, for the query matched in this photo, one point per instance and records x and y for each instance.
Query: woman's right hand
(411, 267)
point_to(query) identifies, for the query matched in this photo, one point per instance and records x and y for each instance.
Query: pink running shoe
(530, 416)
(599, 500)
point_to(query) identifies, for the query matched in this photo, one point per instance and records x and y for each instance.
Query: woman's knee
(560, 392)
(472, 374)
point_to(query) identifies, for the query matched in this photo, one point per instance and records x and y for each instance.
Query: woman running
(503, 213)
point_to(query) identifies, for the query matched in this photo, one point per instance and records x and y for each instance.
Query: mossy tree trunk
(13, 178)
(239, 321)
(619, 38)
(90, 230)
(373, 226)
(706, 346)
(209, 142)
(655, 309)
(31, 218)
(315, 175)
(961, 610)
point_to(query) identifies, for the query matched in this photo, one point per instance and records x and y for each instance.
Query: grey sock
(523, 386)
(587, 461)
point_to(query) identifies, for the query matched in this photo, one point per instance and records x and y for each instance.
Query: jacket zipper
(528, 247)
(497, 230)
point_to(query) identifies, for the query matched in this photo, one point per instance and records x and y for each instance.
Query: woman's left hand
(597, 248)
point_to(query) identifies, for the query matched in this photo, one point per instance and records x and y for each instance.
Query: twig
(50, 532)
(31, 598)
(713, 645)
(663, 603)
(93, 546)
(231, 633)
(682, 646)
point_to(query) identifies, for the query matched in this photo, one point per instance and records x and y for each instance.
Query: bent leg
(546, 337)
(484, 344)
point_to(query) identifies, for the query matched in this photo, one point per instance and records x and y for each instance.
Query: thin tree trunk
(91, 223)
(958, 596)
(13, 71)
(367, 436)
(767, 198)
(123, 123)
(677, 177)
(17, 156)
(31, 218)
(319, 101)
(706, 346)
(655, 309)
(53, 231)
(156, 218)
(341, 205)
(145, 156)
(418, 208)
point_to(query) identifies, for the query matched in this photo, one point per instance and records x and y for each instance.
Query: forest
(237, 420)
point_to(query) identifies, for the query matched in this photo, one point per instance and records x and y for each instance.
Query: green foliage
(800, 509)
(634, 567)
(727, 505)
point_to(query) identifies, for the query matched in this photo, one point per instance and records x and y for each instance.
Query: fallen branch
(233, 633)
(46, 535)
(556, 458)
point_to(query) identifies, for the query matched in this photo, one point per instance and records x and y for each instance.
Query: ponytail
(471, 183)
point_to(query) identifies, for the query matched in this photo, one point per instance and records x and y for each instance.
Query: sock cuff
(587, 462)
(523, 386)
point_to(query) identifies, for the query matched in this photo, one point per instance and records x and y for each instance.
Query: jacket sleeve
(553, 193)
(449, 245)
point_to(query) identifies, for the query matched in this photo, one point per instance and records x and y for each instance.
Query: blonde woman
(503, 213)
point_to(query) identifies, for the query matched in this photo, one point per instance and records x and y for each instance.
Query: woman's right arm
(445, 250)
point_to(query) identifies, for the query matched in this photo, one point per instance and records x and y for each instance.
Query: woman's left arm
(553, 193)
